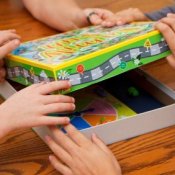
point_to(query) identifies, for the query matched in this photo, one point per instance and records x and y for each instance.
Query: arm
(67, 15)
(61, 15)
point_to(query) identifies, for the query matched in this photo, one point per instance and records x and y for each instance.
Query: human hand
(129, 15)
(77, 155)
(9, 40)
(30, 107)
(98, 16)
(167, 27)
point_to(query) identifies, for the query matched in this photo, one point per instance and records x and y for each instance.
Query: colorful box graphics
(86, 56)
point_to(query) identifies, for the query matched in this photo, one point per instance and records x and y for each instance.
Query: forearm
(61, 15)
(157, 15)
(4, 124)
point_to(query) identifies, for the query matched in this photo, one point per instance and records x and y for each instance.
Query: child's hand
(97, 16)
(30, 107)
(167, 27)
(77, 155)
(129, 15)
(9, 40)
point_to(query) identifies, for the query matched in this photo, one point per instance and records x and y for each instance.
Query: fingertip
(47, 138)
(66, 120)
(16, 42)
(73, 99)
(170, 14)
(108, 24)
(94, 138)
(119, 22)
(73, 106)
(51, 158)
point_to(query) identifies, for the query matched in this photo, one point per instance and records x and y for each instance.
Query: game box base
(151, 116)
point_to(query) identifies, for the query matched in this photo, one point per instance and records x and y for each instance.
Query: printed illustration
(63, 47)
(95, 106)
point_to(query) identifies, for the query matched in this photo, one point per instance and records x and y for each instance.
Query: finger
(77, 136)
(8, 47)
(171, 60)
(12, 30)
(58, 108)
(168, 34)
(9, 30)
(58, 150)
(59, 166)
(2, 73)
(171, 15)
(58, 99)
(169, 21)
(54, 86)
(1, 63)
(95, 19)
(7, 36)
(2, 80)
(64, 141)
(50, 120)
(109, 22)
(103, 13)
(100, 144)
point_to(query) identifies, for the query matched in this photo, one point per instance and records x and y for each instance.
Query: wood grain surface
(23, 153)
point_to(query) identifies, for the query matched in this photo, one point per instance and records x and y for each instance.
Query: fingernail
(73, 100)
(69, 83)
(73, 106)
(67, 119)
(47, 138)
(50, 157)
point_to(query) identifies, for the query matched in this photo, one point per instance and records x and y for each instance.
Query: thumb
(8, 47)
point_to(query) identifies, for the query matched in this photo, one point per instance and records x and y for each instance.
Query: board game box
(124, 125)
(86, 56)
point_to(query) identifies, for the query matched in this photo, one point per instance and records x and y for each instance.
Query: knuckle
(163, 27)
(59, 98)
(136, 10)
(53, 85)
(72, 133)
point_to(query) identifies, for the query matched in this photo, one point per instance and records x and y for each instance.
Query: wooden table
(23, 153)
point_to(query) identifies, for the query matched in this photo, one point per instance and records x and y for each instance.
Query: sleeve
(160, 13)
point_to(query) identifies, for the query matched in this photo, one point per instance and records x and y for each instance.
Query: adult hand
(167, 27)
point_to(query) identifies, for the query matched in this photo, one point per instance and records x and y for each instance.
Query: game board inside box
(86, 56)
(122, 107)
(114, 99)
